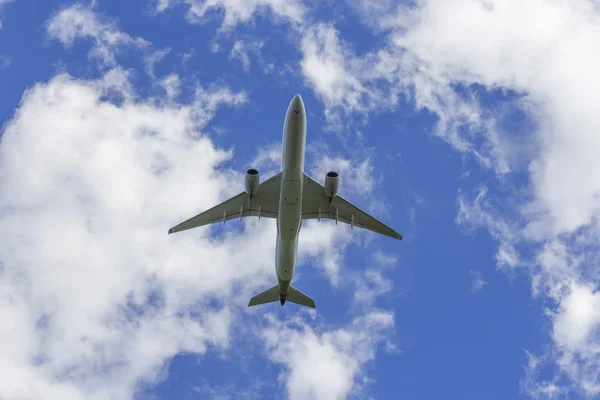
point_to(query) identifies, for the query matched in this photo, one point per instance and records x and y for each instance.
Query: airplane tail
(268, 296)
(296, 296)
(272, 295)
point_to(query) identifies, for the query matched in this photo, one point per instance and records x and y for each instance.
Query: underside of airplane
(290, 197)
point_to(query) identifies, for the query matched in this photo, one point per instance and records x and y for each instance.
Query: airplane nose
(297, 103)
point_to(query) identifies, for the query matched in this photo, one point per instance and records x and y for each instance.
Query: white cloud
(325, 364)
(325, 66)
(565, 273)
(370, 279)
(163, 5)
(268, 159)
(241, 49)
(544, 49)
(532, 385)
(578, 318)
(356, 177)
(242, 11)
(481, 212)
(152, 59)
(87, 194)
(78, 21)
(172, 85)
(321, 242)
(576, 326)
(352, 85)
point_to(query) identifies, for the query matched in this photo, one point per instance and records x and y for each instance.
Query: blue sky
(474, 136)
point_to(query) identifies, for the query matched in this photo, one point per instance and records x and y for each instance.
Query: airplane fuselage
(290, 196)
(289, 220)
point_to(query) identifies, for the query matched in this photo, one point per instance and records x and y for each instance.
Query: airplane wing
(315, 204)
(265, 203)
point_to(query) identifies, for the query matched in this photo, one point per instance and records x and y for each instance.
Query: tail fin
(272, 295)
(268, 296)
(296, 296)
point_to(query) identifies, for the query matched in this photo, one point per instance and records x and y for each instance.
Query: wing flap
(316, 205)
(265, 203)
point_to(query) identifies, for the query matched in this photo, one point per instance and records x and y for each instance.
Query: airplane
(289, 197)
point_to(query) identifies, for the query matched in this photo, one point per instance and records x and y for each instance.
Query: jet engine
(252, 181)
(332, 183)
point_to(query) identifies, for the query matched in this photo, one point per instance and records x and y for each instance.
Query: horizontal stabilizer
(272, 295)
(268, 296)
(296, 296)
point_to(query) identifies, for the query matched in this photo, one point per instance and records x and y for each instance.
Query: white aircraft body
(290, 197)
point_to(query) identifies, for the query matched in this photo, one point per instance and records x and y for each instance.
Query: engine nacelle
(252, 181)
(332, 183)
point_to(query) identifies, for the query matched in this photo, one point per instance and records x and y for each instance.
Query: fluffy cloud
(322, 246)
(480, 211)
(78, 21)
(327, 66)
(578, 318)
(269, 157)
(239, 11)
(357, 175)
(531, 384)
(544, 49)
(326, 364)
(162, 5)
(241, 49)
(563, 271)
(576, 325)
(95, 295)
(373, 283)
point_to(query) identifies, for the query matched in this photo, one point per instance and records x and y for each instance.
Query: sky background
(469, 126)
